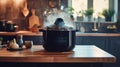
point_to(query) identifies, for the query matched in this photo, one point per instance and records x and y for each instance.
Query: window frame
(113, 6)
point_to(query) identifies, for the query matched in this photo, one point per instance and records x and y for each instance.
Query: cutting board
(25, 10)
(34, 20)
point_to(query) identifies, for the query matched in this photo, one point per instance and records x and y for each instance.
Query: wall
(102, 27)
(9, 11)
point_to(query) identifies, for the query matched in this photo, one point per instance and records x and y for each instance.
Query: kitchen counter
(29, 33)
(97, 34)
(25, 33)
(81, 54)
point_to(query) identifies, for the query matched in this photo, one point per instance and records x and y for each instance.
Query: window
(101, 5)
(98, 6)
(79, 6)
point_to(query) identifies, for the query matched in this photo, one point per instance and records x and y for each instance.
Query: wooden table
(81, 54)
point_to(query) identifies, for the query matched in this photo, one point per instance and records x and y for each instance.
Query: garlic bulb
(13, 44)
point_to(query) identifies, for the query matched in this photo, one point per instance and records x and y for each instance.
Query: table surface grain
(80, 54)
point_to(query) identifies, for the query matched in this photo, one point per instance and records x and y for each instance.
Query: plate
(14, 49)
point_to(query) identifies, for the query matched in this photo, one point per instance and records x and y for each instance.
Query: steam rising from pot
(53, 15)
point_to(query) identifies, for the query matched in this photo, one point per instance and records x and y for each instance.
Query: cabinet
(111, 44)
(7, 38)
(37, 40)
(114, 47)
(92, 40)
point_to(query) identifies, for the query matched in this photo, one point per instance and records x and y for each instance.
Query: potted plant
(71, 12)
(71, 9)
(89, 13)
(80, 15)
(108, 13)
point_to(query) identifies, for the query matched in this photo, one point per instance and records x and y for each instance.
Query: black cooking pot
(57, 41)
(10, 27)
(7, 27)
